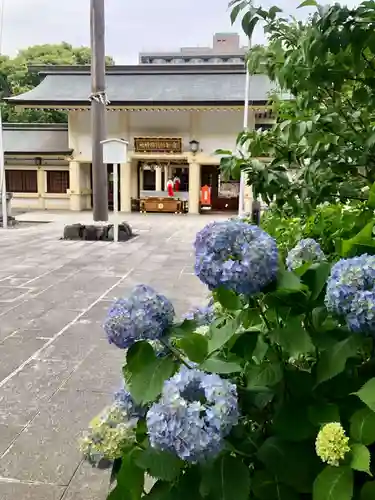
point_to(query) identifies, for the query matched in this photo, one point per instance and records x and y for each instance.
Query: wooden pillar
(75, 186)
(158, 186)
(194, 187)
(125, 187)
(42, 186)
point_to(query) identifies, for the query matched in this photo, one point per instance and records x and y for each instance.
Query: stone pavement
(57, 370)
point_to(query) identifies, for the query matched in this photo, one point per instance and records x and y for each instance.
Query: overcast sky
(133, 26)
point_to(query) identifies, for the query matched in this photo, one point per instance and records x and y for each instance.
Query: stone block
(73, 232)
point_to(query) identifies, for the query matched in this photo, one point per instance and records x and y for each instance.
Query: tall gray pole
(98, 110)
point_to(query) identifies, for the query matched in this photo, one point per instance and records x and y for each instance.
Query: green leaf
(221, 335)
(139, 355)
(293, 339)
(323, 413)
(334, 483)
(294, 464)
(130, 480)
(195, 346)
(362, 426)
(367, 394)
(308, 3)
(248, 23)
(371, 196)
(228, 299)
(265, 486)
(266, 374)
(360, 458)
(333, 360)
(160, 464)
(231, 479)
(236, 10)
(146, 382)
(245, 345)
(288, 281)
(368, 491)
(160, 491)
(364, 237)
(316, 278)
(216, 365)
(292, 422)
(260, 350)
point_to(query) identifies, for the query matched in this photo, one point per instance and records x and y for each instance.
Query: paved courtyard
(56, 368)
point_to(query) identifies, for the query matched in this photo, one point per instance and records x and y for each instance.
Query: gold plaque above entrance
(158, 145)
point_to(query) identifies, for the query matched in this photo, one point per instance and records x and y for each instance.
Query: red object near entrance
(206, 196)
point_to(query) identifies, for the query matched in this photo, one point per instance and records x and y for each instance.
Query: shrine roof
(41, 139)
(148, 85)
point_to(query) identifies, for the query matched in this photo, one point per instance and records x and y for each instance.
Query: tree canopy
(15, 77)
(323, 145)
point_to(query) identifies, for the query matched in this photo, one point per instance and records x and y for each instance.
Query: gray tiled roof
(150, 86)
(35, 139)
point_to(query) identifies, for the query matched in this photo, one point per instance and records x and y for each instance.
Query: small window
(21, 181)
(57, 181)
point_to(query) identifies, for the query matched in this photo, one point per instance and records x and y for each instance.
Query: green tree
(323, 145)
(15, 77)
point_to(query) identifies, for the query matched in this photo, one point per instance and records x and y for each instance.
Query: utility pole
(98, 110)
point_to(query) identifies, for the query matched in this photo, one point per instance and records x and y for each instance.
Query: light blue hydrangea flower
(348, 277)
(145, 315)
(236, 256)
(196, 411)
(123, 399)
(201, 315)
(306, 250)
(361, 317)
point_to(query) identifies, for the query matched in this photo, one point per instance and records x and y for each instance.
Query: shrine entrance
(224, 195)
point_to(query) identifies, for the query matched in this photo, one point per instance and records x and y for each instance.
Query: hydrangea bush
(267, 392)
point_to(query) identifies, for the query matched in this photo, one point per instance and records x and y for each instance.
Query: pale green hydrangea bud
(108, 435)
(203, 330)
(331, 444)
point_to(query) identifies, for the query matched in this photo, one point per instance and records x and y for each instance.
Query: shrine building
(175, 111)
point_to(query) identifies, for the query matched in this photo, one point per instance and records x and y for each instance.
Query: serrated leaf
(334, 483)
(360, 458)
(216, 365)
(288, 281)
(160, 464)
(129, 479)
(195, 346)
(267, 487)
(333, 360)
(367, 394)
(292, 463)
(260, 350)
(231, 479)
(221, 335)
(308, 3)
(362, 426)
(228, 299)
(266, 374)
(293, 339)
(146, 383)
(323, 413)
(316, 278)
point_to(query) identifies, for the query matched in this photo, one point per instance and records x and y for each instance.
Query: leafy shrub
(267, 394)
(328, 225)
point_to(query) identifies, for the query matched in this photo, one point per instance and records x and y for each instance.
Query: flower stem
(178, 354)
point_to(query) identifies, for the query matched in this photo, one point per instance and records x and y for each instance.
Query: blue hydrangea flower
(145, 315)
(348, 277)
(236, 256)
(361, 317)
(124, 400)
(306, 250)
(196, 411)
(201, 315)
